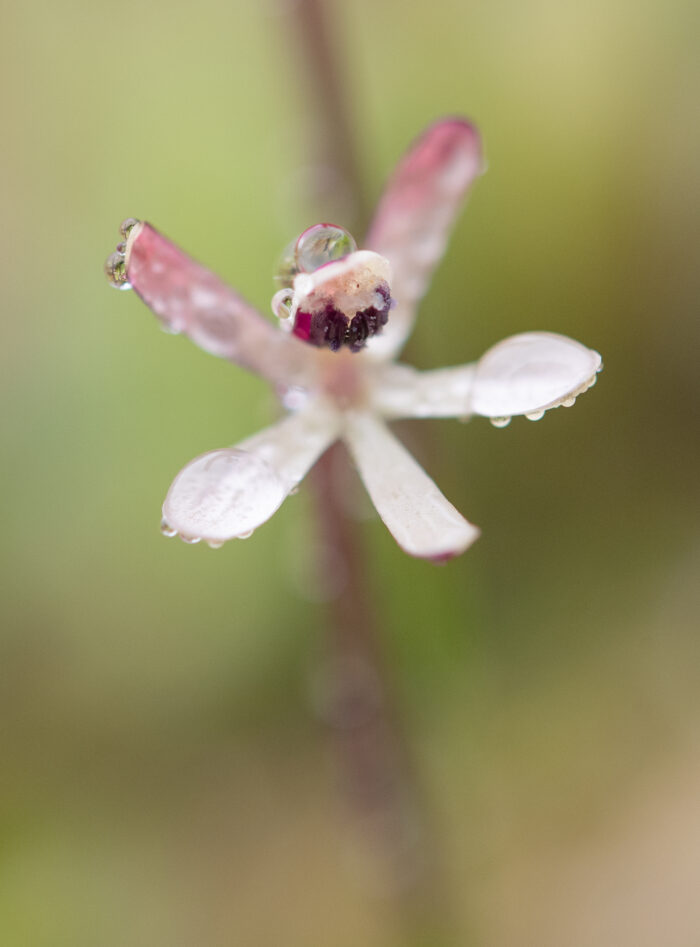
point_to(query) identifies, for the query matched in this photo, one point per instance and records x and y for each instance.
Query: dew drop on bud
(215, 544)
(191, 540)
(246, 535)
(535, 415)
(500, 422)
(115, 268)
(321, 244)
(568, 402)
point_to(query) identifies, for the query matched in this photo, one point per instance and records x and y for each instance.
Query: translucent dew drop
(282, 304)
(115, 269)
(246, 535)
(500, 422)
(166, 529)
(568, 402)
(191, 540)
(535, 415)
(321, 244)
(126, 226)
(287, 266)
(215, 544)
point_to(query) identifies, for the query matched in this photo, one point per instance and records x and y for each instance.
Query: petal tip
(531, 373)
(221, 495)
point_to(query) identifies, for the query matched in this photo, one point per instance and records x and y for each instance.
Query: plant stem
(375, 769)
(332, 132)
(377, 776)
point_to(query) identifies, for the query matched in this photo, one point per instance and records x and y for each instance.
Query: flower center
(334, 295)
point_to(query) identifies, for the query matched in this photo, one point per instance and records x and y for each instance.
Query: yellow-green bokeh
(163, 780)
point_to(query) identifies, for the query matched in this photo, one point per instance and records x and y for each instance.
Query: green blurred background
(163, 777)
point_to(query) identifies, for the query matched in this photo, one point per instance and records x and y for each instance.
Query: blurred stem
(375, 769)
(333, 141)
(377, 776)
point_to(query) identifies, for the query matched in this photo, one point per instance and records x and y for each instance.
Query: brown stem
(332, 132)
(377, 776)
(376, 773)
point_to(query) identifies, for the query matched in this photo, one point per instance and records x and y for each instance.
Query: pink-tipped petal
(400, 391)
(189, 298)
(228, 493)
(415, 216)
(529, 373)
(422, 521)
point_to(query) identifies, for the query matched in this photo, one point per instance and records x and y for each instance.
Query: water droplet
(500, 422)
(121, 247)
(126, 226)
(246, 535)
(166, 529)
(214, 544)
(293, 492)
(287, 266)
(191, 540)
(115, 269)
(568, 402)
(282, 304)
(321, 244)
(535, 415)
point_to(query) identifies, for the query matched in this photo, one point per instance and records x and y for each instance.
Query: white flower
(337, 301)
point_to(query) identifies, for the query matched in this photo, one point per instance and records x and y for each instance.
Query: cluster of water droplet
(115, 264)
(167, 530)
(567, 402)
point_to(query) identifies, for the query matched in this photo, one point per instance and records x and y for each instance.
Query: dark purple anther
(328, 327)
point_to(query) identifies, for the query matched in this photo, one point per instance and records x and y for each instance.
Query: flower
(344, 314)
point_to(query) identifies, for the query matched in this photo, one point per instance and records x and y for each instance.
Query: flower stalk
(374, 763)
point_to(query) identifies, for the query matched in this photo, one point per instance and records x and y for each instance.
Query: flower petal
(400, 391)
(189, 298)
(422, 521)
(529, 373)
(415, 216)
(228, 493)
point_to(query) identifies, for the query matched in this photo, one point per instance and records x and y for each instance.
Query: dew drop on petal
(287, 266)
(126, 226)
(191, 540)
(282, 304)
(246, 535)
(166, 529)
(321, 244)
(115, 269)
(535, 415)
(568, 402)
(215, 544)
(500, 422)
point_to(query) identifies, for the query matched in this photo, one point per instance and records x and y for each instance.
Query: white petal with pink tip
(422, 521)
(228, 493)
(529, 373)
